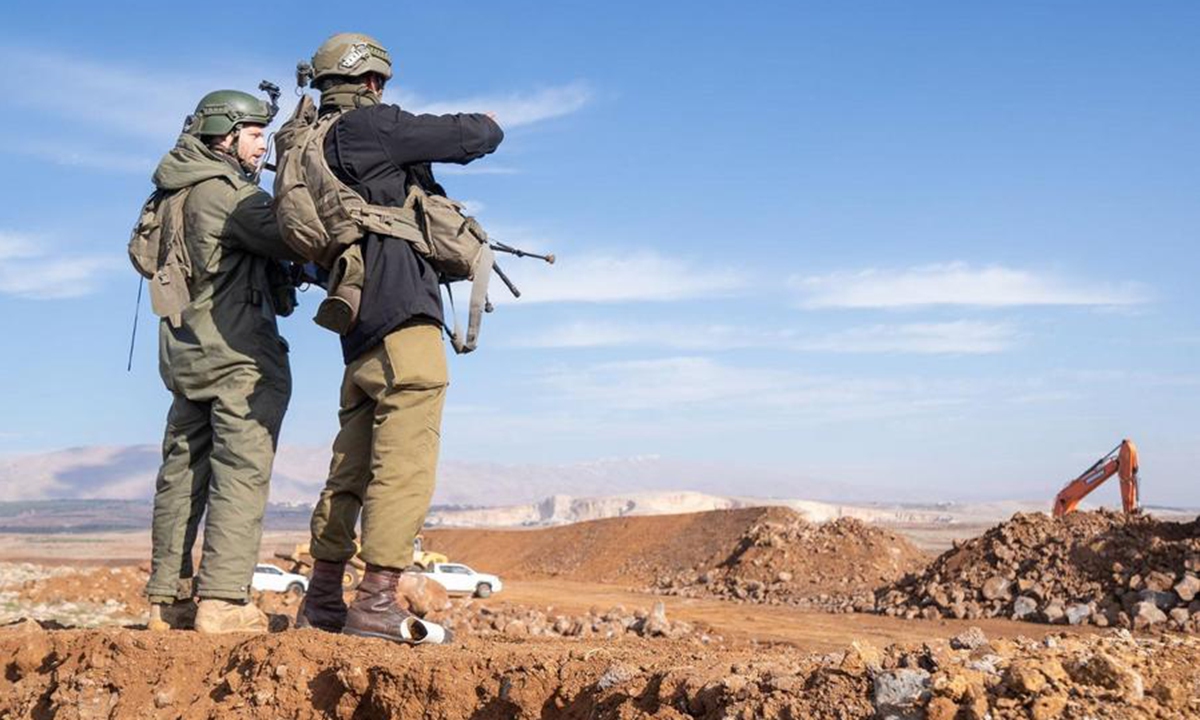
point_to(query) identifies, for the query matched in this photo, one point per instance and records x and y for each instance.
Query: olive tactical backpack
(320, 218)
(159, 254)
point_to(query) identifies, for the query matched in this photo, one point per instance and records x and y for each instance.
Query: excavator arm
(1122, 461)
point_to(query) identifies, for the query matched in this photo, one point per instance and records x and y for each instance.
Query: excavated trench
(124, 673)
(308, 674)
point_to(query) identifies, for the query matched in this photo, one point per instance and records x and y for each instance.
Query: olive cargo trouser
(217, 455)
(386, 452)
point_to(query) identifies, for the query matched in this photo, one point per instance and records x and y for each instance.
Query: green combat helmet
(345, 55)
(221, 111)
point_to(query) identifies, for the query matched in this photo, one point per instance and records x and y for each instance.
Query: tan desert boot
(179, 615)
(216, 616)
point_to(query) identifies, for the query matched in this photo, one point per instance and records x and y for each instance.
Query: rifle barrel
(501, 247)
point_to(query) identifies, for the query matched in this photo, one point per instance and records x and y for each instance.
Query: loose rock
(1083, 568)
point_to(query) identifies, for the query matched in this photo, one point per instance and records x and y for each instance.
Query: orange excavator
(1122, 461)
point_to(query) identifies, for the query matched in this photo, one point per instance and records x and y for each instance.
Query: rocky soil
(74, 597)
(782, 559)
(1100, 568)
(93, 597)
(616, 623)
(117, 673)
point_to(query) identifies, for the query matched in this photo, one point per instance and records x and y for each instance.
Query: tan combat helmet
(346, 55)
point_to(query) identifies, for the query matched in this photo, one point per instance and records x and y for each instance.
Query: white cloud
(675, 394)
(959, 337)
(594, 334)
(639, 276)
(103, 104)
(956, 284)
(28, 271)
(512, 109)
(659, 383)
(16, 247)
(1045, 396)
(84, 157)
(473, 207)
(698, 385)
(488, 169)
(98, 95)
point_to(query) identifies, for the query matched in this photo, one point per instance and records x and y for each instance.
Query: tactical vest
(159, 254)
(320, 217)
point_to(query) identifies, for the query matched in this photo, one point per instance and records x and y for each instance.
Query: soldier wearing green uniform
(226, 366)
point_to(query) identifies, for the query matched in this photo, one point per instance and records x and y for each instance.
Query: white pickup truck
(270, 578)
(458, 578)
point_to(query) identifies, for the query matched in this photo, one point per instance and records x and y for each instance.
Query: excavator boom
(1122, 461)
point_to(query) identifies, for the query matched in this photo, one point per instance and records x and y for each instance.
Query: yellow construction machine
(302, 561)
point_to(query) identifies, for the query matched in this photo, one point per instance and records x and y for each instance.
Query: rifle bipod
(501, 247)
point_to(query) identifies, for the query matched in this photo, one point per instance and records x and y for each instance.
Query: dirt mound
(627, 550)
(124, 585)
(782, 559)
(309, 674)
(72, 596)
(753, 554)
(1102, 568)
(97, 596)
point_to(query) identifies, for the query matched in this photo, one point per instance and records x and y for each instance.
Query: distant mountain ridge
(475, 494)
(128, 473)
(53, 517)
(83, 516)
(103, 515)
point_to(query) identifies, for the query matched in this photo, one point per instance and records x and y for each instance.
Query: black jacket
(379, 151)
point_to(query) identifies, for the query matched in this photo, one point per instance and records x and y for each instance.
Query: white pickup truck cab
(270, 578)
(458, 578)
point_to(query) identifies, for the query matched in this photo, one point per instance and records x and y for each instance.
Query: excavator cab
(1121, 461)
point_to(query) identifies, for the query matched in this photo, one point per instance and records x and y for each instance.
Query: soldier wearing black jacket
(385, 454)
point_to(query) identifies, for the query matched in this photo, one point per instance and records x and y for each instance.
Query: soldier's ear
(376, 82)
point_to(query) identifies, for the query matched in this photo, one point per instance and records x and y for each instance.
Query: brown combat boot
(215, 616)
(323, 606)
(177, 615)
(374, 613)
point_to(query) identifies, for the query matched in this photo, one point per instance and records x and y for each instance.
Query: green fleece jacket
(228, 333)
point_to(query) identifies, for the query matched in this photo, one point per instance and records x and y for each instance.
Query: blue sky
(926, 249)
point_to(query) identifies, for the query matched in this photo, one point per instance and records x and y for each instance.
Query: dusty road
(815, 631)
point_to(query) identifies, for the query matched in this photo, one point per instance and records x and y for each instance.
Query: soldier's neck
(348, 97)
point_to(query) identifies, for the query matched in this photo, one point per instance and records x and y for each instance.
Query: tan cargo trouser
(386, 452)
